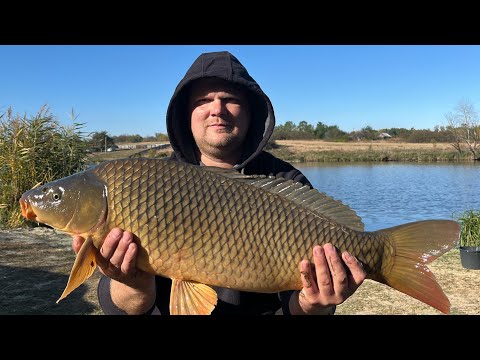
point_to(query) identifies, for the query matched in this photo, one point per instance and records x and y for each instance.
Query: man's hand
(117, 257)
(328, 282)
(132, 289)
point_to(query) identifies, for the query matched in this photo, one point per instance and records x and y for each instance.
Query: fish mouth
(27, 211)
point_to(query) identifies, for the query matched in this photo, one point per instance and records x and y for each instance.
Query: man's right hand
(132, 289)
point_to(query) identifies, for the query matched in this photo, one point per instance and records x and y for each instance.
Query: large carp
(205, 226)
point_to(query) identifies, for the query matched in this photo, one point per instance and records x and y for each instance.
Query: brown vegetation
(302, 146)
(364, 151)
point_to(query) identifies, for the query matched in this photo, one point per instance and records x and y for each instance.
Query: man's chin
(224, 145)
(222, 140)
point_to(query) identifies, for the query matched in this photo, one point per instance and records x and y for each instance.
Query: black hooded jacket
(254, 160)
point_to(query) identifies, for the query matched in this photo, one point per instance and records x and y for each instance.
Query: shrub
(470, 228)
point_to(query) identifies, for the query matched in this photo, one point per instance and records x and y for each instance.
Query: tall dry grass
(321, 151)
(34, 150)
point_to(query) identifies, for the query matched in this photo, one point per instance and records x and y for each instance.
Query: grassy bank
(322, 151)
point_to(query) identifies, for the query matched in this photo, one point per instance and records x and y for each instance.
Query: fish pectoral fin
(83, 267)
(191, 298)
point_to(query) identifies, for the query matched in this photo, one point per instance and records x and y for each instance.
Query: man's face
(220, 116)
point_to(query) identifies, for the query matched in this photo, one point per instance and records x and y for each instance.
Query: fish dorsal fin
(317, 202)
(83, 267)
(191, 298)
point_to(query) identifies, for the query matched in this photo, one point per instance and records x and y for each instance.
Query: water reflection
(389, 194)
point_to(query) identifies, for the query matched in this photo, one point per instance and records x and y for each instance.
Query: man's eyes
(230, 100)
(202, 101)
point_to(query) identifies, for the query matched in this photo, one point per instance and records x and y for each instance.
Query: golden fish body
(205, 227)
(196, 224)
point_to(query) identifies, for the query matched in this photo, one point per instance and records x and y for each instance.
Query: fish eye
(56, 196)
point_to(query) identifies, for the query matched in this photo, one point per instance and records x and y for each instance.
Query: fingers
(322, 270)
(317, 294)
(331, 280)
(110, 243)
(332, 274)
(117, 254)
(117, 247)
(358, 274)
(338, 271)
(308, 280)
(77, 243)
(130, 259)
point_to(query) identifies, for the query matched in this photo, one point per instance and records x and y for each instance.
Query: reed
(33, 151)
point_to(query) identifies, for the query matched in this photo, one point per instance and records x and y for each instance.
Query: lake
(390, 193)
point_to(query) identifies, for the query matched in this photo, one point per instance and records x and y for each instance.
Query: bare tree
(465, 127)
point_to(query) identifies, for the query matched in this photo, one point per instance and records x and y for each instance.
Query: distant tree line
(101, 140)
(306, 131)
(138, 138)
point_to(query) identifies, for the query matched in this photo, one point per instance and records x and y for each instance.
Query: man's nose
(217, 107)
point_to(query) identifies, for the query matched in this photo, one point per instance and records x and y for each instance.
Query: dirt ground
(461, 286)
(34, 268)
(35, 264)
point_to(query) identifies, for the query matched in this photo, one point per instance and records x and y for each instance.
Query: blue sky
(126, 89)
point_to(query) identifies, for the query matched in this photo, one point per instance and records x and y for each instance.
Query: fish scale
(204, 225)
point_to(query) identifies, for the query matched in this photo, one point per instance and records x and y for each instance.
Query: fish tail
(415, 245)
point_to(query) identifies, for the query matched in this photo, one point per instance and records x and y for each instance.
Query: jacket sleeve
(105, 299)
(295, 175)
(267, 164)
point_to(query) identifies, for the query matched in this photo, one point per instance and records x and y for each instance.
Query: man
(219, 116)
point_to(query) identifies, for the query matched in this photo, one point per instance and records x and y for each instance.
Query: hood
(225, 66)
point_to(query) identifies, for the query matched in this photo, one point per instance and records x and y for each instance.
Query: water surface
(389, 194)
